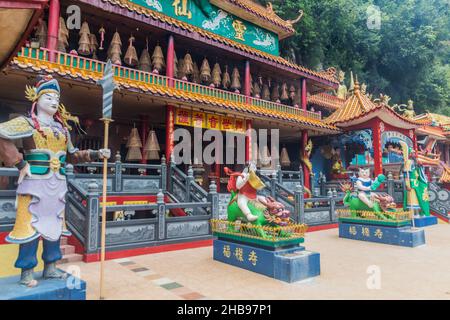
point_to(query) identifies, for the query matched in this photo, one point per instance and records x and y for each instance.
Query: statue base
(425, 221)
(71, 288)
(395, 235)
(289, 264)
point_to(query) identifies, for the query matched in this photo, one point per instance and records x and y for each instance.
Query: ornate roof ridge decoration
(326, 75)
(440, 119)
(39, 66)
(246, 8)
(326, 100)
(359, 105)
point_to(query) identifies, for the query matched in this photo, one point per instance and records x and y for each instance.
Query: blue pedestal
(401, 236)
(69, 289)
(425, 221)
(290, 265)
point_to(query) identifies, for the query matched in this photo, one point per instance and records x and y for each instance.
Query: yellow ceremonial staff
(107, 83)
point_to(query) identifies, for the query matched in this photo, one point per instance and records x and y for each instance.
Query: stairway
(68, 252)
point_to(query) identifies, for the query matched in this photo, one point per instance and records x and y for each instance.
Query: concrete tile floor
(405, 273)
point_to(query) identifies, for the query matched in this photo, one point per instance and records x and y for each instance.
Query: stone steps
(68, 252)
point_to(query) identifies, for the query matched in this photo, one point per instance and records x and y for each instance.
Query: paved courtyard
(405, 273)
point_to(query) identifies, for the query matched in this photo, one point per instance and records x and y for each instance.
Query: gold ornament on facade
(239, 29)
(181, 8)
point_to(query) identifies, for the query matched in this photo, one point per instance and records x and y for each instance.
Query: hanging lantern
(276, 93)
(152, 146)
(196, 74)
(266, 92)
(63, 35)
(94, 46)
(188, 65)
(85, 41)
(284, 158)
(205, 71)
(216, 75)
(256, 90)
(235, 80)
(131, 57)
(158, 59)
(284, 92)
(180, 74)
(115, 49)
(144, 60)
(134, 146)
(226, 80)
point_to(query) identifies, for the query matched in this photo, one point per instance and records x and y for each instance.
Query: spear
(107, 83)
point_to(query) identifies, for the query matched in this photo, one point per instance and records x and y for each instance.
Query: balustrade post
(273, 185)
(280, 174)
(161, 215)
(390, 184)
(299, 205)
(163, 182)
(170, 175)
(117, 183)
(91, 236)
(332, 207)
(188, 183)
(213, 197)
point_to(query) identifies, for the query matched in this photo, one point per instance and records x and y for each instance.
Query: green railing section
(91, 65)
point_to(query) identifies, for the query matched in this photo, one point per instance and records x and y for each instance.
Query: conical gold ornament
(265, 156)
(134, 154)
(292, 92)
(115, 49)
(226, 80)
(196, 74)
(284, 92)
(216, 75)
(158, 59)
(256, 90)
(152, 143)
(235, 79)
(94, 46)
(205, 71)
(84, 44)
(152, 155)
(63, 36)
(131, 57)
(144, 60)
(266, 92)
(275, 93)
(134, 140)
(284, 158)
(188, 65)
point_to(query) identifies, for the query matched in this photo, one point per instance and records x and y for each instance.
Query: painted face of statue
(48, 103)
(364, 173)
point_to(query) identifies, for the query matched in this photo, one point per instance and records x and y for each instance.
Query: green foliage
(407, 57)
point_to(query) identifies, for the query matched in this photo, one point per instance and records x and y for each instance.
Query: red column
(170, 115)
(248, 141)
(53, 28)
(306, 173)
(170, 127)
(377, 152)
(144, 131)
(304, 95)
(247, 82)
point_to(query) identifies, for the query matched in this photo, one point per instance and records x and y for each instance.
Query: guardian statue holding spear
(42, 186)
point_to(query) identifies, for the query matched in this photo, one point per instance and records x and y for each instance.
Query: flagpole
(106, 123)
